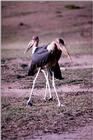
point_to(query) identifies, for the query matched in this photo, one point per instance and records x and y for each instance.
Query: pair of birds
(46, 57)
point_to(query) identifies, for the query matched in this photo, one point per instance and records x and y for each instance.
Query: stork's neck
(34, 47)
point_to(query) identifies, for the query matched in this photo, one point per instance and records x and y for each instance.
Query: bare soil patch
(43, 119)
(19, 120)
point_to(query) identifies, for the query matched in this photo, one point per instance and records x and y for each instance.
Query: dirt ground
(44, 120)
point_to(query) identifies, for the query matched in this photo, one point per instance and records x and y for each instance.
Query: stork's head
(34, 42)
(35, 38)
(60, 41)
(61, 46)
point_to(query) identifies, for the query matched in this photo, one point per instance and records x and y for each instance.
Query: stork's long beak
(65, 51)
(30, 45)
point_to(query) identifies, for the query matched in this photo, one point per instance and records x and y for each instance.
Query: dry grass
(19, 121)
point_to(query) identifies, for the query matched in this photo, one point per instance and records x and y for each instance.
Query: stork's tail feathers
(57, 72)
(32, 70)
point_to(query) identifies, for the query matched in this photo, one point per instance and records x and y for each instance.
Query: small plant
(72, 7)
(58, 12)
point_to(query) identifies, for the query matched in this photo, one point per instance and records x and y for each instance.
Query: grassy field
(49, 20)
(20, 121)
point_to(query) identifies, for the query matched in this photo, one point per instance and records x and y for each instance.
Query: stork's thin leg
(29, 100)
(53, 83)
(47, 83)
(46, 90)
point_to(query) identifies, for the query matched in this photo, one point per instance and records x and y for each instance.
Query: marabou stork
(46, 57)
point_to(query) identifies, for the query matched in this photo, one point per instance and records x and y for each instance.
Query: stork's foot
(60, 105)
(50, 99)
(29, 103)
(45, 99)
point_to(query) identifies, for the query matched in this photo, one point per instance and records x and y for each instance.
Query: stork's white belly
(50, 47)
(33, 49)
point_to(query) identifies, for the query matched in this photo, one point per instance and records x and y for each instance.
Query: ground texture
(44, 120)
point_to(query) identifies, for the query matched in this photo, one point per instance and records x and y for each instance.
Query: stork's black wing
(57, 72)
(40, 58)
